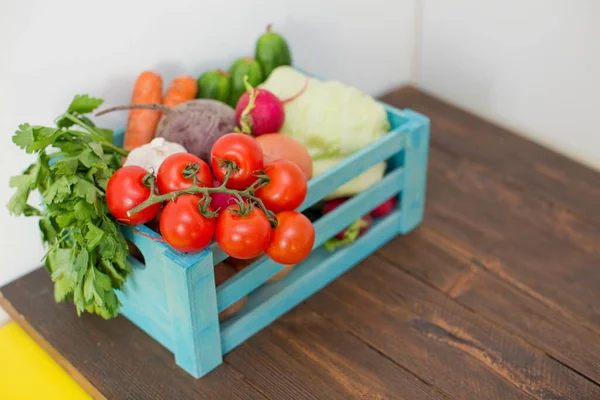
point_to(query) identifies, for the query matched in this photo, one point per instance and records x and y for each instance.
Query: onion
(277, 146)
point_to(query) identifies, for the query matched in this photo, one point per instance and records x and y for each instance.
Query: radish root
(157, 107)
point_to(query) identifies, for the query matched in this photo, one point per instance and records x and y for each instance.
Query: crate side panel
(415, 180)
(256, 274)
(271, 301)
(192, 303)
(143, 297)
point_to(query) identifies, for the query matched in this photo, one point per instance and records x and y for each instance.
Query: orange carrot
(141, 124)
(182, 88)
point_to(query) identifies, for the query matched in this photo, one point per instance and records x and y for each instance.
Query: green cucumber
(215, 85)
(272, 51)
(240, 68)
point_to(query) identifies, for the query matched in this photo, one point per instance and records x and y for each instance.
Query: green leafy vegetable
(350, 235)
(86, 255)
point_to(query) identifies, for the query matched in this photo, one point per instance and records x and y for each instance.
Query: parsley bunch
(87, 254)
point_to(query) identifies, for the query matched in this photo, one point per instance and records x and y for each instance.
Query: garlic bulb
(151, 155)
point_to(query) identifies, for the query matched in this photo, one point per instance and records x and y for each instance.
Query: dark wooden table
(495, 296)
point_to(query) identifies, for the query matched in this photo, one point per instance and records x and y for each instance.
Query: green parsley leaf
(118, 277)
(83, 104)
(44, 137)
(88, 158)
(98, 294)
(85, 189)
(94, 236)
(18, 202)
(81, 265)
(97, 149)
(30, 211)
(59, 263)
(65, 220)
(58, 191)
(83, 211)
(24, 184)
(48, 231)
(108, 248)
(107, 134)
(24, 137)
(102, 176)
(65, 166)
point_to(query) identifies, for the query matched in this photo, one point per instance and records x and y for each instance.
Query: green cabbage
(332, 120)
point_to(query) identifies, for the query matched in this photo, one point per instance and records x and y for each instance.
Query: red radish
(385, 208)
(331, 205)
(259, 111)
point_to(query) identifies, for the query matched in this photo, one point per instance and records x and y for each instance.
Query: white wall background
(52, 50)
(530, 65)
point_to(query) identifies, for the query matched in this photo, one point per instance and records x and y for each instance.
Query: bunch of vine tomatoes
(259, 215)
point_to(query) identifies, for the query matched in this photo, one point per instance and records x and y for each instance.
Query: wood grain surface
(495, 296)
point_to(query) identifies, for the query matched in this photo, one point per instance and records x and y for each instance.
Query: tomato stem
(203, 206)
(206, 191)
(190, 171)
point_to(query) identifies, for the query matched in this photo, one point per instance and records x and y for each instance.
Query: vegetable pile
(222, 158)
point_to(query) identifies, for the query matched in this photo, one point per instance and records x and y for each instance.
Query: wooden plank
(443, 342)
(562, 338)
(543, 250)
(452, 267)
(303, 356)
(517, 160)
(113, 357)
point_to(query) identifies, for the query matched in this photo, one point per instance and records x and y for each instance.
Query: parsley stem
(96, 135)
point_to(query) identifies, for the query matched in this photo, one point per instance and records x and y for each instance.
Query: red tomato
(292, 240)
(242, 149)
(126, 190)
(287, 188)
(170, 173)
(243, 237)
(184, 227)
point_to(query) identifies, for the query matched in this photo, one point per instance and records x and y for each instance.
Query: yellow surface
(28, 373)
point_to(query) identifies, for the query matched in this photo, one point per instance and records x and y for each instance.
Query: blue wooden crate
(173, 296)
